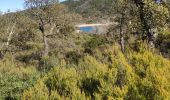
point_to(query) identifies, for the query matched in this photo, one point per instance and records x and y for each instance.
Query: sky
(12, 5)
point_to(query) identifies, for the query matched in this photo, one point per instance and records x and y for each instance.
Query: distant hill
(92, 10)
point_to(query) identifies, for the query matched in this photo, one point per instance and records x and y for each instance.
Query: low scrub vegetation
(139, 76)
(43, 58)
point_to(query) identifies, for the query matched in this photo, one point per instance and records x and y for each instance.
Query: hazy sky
(13, 5)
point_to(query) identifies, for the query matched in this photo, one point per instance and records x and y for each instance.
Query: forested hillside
(42, 57)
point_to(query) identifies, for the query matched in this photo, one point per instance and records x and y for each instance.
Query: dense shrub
(74, 57)
(153, 77)
(163, 43)
(95, 42)
(59, 83)
(140, 76)
(15, 78)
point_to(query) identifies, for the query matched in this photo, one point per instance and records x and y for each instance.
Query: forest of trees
(42, 57)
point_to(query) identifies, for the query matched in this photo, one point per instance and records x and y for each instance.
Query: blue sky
(13, 5)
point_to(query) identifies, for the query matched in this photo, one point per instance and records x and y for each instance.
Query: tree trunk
(122, 41)
(45, 41)
(10, 35)
(46, 46)
(151, 40)
(2, 52)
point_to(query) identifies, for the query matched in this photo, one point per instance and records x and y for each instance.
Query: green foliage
(94, 42)
(59, 83)
(82, 66)
(152, 77)
(15, 78)
(24, 33)
(141, 76)
(47, 63)
(73, 57)
(163, 43)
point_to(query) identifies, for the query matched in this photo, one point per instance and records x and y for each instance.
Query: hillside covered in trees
(42, 57)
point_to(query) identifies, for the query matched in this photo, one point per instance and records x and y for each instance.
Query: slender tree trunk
(45, 40)
(46, 46)
(2, 52)
(10, 35)
(122, 41)
(151, 40)
(52, 29)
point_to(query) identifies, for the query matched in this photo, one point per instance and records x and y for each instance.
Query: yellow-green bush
(59, 83)
(15, 77)
(153, 76)
(107, 75)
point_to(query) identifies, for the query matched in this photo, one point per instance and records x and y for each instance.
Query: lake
(87, 29)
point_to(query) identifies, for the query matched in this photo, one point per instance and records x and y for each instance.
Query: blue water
(87, 29)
